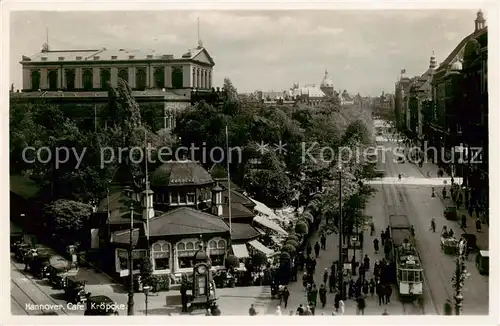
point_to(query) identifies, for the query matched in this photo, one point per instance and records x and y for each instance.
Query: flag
(403, 71)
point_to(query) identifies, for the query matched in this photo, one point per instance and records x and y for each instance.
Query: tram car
(405, 259)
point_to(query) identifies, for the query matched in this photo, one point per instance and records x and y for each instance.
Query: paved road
(416, 202)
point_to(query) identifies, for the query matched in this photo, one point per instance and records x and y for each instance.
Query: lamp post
(341, 235)
(130, 303)
(460, 275)
(146, 290)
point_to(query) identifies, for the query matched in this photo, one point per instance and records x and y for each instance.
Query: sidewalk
(483, 236)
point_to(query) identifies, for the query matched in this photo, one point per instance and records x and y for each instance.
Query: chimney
(217, 201)
(148, 210)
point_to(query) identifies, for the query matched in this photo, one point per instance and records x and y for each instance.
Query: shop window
(191, 198)
(185, 252)
(174, 198)
(161, 255)
(182, 198)
(217, 251)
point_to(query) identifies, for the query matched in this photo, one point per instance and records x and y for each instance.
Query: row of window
(141, 80)
(161, 252)
(181, 197)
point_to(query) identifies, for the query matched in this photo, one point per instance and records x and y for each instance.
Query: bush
(160, 283)
(284, 256)
(290, 249)
(293, 237)
(301, 228)
(232, 262)
(259, 259)
(292, 243)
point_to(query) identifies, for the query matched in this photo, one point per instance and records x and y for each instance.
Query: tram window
(404, 275)
(411, 276)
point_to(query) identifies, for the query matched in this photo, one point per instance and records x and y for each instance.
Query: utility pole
(341, 235)
(130, 303)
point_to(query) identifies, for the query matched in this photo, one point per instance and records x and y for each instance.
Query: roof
(308, 90)
(180, 173)
(237, 197)
(24, 187)
(119, 207)
(399, 235)
(243, 231)
(327, 81)
(184, 221)
(123, 236)
(260, 247)
(264, 221)
(399, 221)
(237, 210)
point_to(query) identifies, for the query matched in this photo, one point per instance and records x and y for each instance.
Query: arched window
(88, 77)
(35, 79)
(105, 78)
(123, 74)
(217, 251)
(52, 76)
(159, 77)
(177, 78)
(185, 252)
(140, 79)
(161, 255)
(70, 79)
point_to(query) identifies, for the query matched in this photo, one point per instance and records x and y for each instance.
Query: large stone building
(82, 77)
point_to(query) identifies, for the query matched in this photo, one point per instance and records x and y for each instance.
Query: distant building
(82, 76)
(346, 99)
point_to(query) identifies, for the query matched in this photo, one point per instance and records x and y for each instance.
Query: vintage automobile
(100, 305)
(450, 212)
(483, 262)
(57, 276)
(471, 241)
(74, 289)
(38, 265)
(21, 250)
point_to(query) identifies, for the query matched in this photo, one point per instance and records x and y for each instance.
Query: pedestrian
(464, 222)
(380, 294)
(313, 267)
(450, 233)
(382, 237)
(316, 249)
(285, 296)
(399, 177)
(353, 265)
(376, 245)
(351, 289)
(372, 287)
(304, 280)
(309, 249)
(361, 273)
(312, 308)
(433, 225)
(372, 228)
(341, 307)
(366, 262)
(478, 225)
(361, 305)
(308, 311)
(366, 287)
(331, 282)
(208, 312)
(336, 301)
(252, 311)
(325, 276)
(300, 310)
(323, 241)
(278, 311)
(322, 295)
(388, 293)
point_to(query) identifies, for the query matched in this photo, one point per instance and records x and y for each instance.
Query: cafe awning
(240, 250)
(260, 247)
(264, 221)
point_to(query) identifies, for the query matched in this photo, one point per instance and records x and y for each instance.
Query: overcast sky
(363, 51)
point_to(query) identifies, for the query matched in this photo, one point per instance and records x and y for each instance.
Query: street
(416, 202)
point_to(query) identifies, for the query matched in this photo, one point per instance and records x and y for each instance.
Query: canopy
(264, 210)
(260, 247)
(240, 250)
(264, 221)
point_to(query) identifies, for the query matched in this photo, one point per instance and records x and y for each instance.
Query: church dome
(180, 173)
(326, 82)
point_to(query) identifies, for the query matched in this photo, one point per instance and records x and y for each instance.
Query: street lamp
(460, 275)
(341, 235)
(146, 290)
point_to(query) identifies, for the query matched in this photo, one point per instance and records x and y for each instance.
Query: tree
(301, 228)
(146, 271)
(259, 259)
(232, 262)
(66, 220)
(229, 90)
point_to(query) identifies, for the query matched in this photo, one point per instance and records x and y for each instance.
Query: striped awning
(260, 247)
(240, 250)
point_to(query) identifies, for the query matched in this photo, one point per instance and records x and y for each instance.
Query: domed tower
(327, 85)
(432, 62)
(480, 22)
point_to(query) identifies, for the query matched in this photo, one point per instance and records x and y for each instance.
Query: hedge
(290, 249)
(301, 228)
(292, 243)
